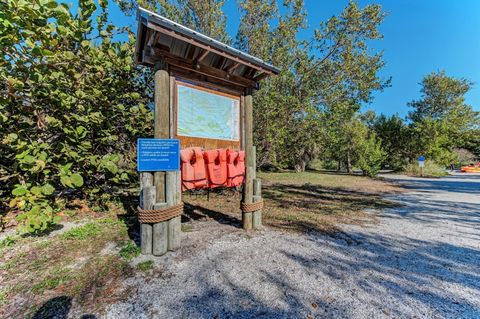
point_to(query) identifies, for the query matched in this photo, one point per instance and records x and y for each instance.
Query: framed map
(205, 113)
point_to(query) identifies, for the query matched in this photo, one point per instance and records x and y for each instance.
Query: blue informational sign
(421, 158)
(156, 155)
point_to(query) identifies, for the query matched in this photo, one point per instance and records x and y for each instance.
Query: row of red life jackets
(212, 168)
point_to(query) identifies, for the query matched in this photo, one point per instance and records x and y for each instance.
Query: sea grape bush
(72, 104)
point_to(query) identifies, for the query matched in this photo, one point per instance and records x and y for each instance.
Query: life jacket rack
(208, 169)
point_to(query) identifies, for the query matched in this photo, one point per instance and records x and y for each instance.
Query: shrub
(431, 169)
(72, 104)
(370, 156)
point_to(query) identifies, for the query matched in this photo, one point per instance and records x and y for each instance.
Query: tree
(205, 16)
(360, 147)
(396, 140)
(322, 83)
(72, 104)
(441, 119)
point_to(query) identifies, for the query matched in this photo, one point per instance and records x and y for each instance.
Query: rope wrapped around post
(150, 216)
(251, 207)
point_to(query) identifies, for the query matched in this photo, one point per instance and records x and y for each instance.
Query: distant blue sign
(155, 155)
(421, 158)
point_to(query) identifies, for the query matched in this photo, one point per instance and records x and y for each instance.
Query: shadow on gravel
(437, 275)
(58, 308)
(457, 183)
(420, 207)
(371, 276)
(130, 204)
(196, 212)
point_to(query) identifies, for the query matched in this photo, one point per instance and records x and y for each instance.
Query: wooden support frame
(179, 53)
(155, 54)
(199, 44)
(203, 55)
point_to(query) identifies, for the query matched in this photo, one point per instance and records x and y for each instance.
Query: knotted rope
(251, 207)
(149, 216)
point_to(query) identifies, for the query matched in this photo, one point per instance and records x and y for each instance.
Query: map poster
(205, 113)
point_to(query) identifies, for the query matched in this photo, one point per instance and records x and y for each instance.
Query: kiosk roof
(160, 39)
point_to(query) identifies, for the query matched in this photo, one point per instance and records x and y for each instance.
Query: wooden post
(165, 235)
(249, 172)
(147, 200)
(257, 196)
(160, 234)
(162, 130)
(174, 224)
(162, 117)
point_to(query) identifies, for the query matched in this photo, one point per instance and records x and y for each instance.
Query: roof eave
(173, 26)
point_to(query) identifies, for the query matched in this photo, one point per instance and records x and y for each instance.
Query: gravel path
(421, 260)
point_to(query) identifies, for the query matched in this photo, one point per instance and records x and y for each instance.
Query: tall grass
(431, 169)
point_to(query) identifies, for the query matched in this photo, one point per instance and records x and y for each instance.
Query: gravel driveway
(421, 260)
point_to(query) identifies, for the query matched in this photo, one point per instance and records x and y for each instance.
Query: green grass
(3, 296)
(187, 228)
(72, 264)
(51, 282)
(312, 200)
(145, 265)
(130, 251)
(8, 241)
(82, 232)
(431, 169)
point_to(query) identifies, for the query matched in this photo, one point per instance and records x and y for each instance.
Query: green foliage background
(71, 106)
(72, 101)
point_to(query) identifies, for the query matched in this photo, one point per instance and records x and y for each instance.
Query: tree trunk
(349, 163)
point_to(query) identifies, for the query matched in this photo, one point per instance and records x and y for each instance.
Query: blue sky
(420, 36)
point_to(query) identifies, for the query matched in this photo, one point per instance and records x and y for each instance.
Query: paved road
(421, 260)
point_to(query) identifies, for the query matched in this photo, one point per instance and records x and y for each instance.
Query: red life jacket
(193, 168)
(216, 162)
(235, 168)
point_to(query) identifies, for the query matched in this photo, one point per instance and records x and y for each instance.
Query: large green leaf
(48, 189)
(19, 191)
(35, 190)
(77, 180)
(66, 181)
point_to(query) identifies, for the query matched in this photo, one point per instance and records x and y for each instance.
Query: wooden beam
(232, 68)
(152, 37)
(210, 81)
(203, 46)
(260, 77)
(203, 56)
(157, 54)
(140, 30)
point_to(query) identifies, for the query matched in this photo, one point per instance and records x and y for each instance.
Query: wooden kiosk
(188, 63)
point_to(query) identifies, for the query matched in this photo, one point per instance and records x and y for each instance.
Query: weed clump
(145, 265)
(130, 251)
(83, 232)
